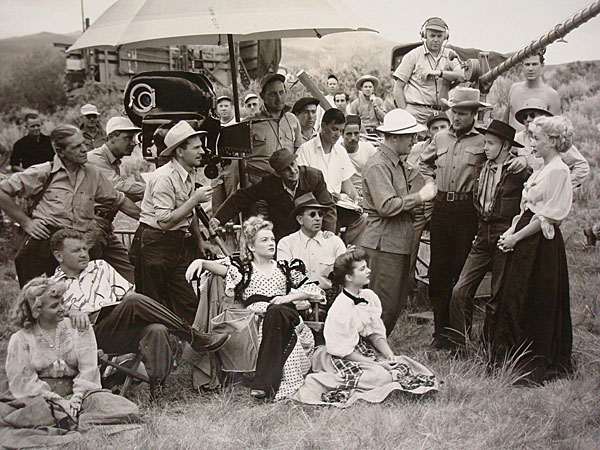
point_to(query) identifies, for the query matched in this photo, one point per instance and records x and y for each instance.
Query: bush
(34, 80)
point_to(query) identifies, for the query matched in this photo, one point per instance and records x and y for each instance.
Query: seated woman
(534, 317)
(279, 289)
(52, 368)
(357, 361)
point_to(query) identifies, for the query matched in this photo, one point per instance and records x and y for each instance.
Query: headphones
(424, 27)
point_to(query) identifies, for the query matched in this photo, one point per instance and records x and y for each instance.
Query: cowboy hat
(533, 104)
(400, 121)
(177, 136)
(364, 78)
(502, 130)
(463, 97)
(307, 200)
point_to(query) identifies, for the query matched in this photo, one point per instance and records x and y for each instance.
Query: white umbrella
(157, 23)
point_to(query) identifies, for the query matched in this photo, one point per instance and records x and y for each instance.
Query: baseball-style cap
(270, 77)
(435, 23)
(88, 109)
(437, 115)
(223, 97)
(250, 97)
(120, 123)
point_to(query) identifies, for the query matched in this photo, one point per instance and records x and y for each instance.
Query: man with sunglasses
(122, 137)
(309, 243)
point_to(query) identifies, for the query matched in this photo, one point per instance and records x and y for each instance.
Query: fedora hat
(533, 104)
(364, 78)
(177, 136)
(400, 121)
(307, 200)
(463, 97)
(281, 159)
(502, 130)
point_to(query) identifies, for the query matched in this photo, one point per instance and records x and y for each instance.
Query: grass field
(474, 409)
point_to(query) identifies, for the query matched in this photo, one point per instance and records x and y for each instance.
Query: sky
(501, 25)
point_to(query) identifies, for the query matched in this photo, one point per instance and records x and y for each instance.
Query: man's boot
(207, 342)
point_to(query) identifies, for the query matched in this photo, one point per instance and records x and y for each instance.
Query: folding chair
(129, 367)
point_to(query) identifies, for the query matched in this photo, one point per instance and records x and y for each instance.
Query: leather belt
(452, 196)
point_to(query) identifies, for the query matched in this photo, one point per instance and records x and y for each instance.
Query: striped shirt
(96, 286)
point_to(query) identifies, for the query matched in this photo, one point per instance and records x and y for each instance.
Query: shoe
(590, 237)
(258, 394)
(207, 342)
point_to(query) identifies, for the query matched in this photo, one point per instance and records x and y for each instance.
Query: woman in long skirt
(534, 318)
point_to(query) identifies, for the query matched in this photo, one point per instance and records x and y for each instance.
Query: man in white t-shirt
(358, 151)
(323, 154)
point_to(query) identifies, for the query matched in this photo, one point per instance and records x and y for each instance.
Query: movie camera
(157, 100)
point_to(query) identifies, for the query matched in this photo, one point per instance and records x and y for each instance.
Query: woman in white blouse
(534, 317)
(52, 370)
(357, 361)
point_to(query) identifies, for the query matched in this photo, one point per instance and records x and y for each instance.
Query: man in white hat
(225, 110)
(426, 73)
(532, 87)
(388, 237)
(90, 125)
(252, 104)
(121, 140)
(158, 249)
(453, 159)
(367, 105)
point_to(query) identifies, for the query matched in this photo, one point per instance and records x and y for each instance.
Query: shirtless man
(532, 87)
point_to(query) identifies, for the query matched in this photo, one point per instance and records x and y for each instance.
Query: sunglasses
(316, 213)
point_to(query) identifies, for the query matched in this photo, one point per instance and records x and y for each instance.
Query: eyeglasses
(316, 213)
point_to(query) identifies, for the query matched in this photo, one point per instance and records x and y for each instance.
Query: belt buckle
(450, 196)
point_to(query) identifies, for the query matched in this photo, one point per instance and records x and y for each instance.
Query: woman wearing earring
(52, 367)
(278, 289)
(357, 361)
(534, 317)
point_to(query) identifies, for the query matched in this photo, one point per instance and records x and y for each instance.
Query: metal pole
(82, 16)
(236, 101)
(558, 32)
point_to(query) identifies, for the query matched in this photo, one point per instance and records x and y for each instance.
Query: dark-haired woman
(357, 361)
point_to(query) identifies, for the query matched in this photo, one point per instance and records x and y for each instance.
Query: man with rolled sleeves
(388, 237)
(121, 134)
(453, 160)
(158, 251)
(426, 73)
(367, 105)
(274, 127)
(62, 194)
(279, 191)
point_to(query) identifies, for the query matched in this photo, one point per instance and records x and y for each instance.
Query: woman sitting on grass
(279, 289)
(52, 371)
(357, 361)
(534, 315)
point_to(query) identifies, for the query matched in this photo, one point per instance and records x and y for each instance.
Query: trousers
(453, 227)
(139, 324)
(389, 280)
(160, 260)
(484, 256)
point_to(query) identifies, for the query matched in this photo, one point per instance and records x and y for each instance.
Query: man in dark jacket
(497, 198)
(279, 192)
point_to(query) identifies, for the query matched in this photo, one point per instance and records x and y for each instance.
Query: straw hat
(178, 135)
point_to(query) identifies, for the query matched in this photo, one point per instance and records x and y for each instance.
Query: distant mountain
(15, 47)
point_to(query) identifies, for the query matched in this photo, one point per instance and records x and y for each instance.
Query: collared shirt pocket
(441, 157)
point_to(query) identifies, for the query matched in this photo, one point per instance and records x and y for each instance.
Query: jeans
(160, 260)
(389, 280)
(484, 255)
(453, 227)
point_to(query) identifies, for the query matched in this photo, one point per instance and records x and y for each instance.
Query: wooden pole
(236, 101)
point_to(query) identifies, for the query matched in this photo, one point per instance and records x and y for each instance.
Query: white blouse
(548, 194)
(346, 321)
(30, 357)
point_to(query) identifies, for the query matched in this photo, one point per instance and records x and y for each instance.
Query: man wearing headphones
(426, 73)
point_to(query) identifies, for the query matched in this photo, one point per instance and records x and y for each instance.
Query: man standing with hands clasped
(158, 248)
(388, 237)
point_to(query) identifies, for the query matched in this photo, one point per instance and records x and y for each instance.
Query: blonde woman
(533, 310)
(279, 289)
(52, 365)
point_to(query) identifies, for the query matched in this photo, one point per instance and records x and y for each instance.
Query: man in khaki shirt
(121, 133)
(63, 193)
(453, 159)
